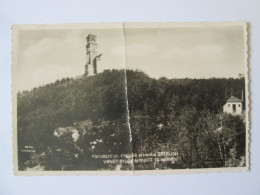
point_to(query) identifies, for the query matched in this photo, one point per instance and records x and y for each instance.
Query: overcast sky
(195, 52)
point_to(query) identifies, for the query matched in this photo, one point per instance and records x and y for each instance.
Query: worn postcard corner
(130, 98)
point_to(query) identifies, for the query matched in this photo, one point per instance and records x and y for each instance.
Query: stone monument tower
(91, 67)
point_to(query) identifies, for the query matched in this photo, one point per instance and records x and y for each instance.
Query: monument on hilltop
(91, 67)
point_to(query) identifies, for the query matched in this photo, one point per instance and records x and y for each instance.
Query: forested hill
(67, 101)
(201, 94)
(103, 95)
(103, 98)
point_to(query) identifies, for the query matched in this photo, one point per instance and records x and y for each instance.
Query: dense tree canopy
(165, 114)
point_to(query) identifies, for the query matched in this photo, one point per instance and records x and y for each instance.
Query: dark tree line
(165, 115)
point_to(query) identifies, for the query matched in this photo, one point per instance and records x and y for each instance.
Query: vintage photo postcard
(130, 98)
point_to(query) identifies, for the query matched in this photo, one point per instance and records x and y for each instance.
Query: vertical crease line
(127, 106)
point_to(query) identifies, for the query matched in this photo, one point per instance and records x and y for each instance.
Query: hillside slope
(101, 101)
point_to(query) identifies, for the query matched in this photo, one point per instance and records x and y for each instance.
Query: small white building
(233, 106)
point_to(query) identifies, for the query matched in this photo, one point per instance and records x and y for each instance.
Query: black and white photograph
(130, 98)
